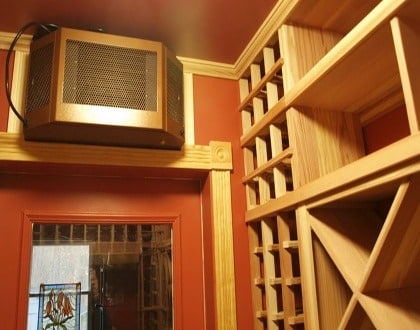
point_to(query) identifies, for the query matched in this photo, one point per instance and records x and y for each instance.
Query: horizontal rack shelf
(278, 316)
(399, 159)
(282, 159)
(291, 245)
(293, 281)
(276, 114)
(348, 59)
(272, 74)
(295, 320)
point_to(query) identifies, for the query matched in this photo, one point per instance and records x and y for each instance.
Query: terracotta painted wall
(389, 128)
(217, 117)
(61, 194)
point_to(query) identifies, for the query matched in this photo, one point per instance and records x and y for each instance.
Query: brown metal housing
(96, 88)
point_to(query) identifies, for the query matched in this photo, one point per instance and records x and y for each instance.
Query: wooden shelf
(259, 281)
(386, 165)
(295, 320)
(273, 248)
(276, 115)
(278, 316)
(281, 159)
(293, 281)
(258, 250)
(261, 315)
(291, 245)
(276, 281)
(328, 14)
(366, 51)
(272, 75)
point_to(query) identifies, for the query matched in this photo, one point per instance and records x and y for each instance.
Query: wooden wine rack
(332, 230)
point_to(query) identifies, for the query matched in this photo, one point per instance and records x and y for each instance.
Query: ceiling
(210, 30)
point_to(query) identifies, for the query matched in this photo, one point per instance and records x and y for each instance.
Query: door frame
(30, 218)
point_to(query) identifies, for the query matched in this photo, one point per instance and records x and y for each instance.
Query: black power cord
(47, 28)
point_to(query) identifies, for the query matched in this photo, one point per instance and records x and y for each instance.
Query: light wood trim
(221, 155)
(22, 45)
(18, 91)
(224, 269)
(199, 157)
(397, 160)
(208, 68)
(189, 108)
(407, 50)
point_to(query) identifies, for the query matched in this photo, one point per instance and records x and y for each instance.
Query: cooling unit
(96, 88)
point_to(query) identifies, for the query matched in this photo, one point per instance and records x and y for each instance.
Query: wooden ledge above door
(18, 155)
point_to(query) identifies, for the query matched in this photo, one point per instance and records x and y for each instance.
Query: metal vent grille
(39, 83)
(103, 75)
(175, 93)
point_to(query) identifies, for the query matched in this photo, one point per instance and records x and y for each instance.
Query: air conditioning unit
(97, 88)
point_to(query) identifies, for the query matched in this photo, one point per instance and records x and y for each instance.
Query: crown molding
(267, 30)
(208, 68)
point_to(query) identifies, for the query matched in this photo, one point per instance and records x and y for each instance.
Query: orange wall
(79, 194)
(388, 128)
(217, 117)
